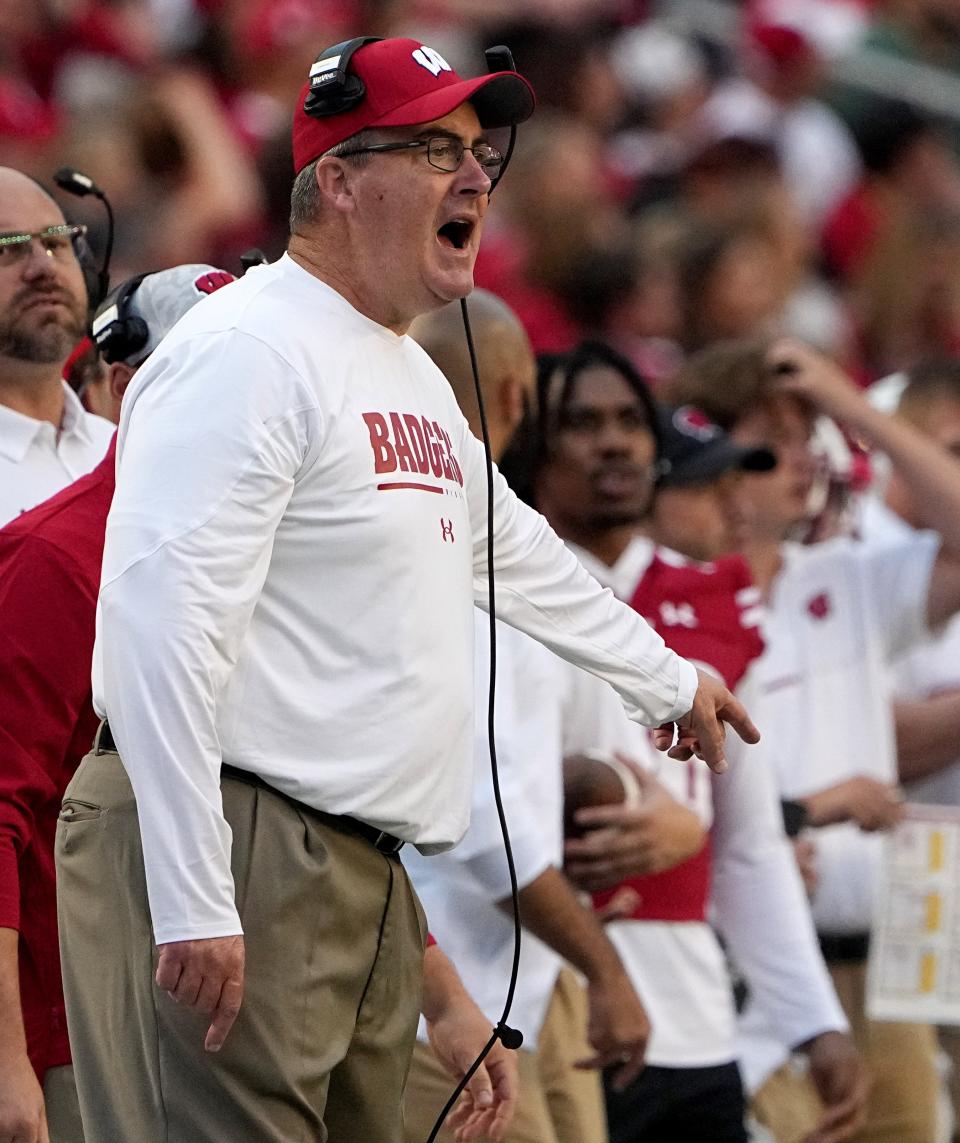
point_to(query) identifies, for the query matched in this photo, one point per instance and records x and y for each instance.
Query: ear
(510, 400)
(336, 180)
(120, 377)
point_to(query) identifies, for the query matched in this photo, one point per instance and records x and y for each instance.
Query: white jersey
(291, 563)
(37, 460)
(757, 900)
(930, 668)
(838, 614)
(459, 889)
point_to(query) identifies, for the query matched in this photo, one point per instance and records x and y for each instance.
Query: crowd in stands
(672, 190)
(751, 248)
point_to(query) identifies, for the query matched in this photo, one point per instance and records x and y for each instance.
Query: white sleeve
(210, 450)
(761, 907)
(544, 590)
(527, 725)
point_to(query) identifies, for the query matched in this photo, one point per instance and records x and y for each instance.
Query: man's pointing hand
(701, 731)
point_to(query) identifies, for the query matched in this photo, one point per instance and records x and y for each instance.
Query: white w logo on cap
(432, 60)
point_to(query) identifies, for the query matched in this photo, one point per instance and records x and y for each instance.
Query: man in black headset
(47, 438)
(285, 644)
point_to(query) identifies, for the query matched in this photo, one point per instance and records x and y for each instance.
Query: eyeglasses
(57, 242)
(443, 152)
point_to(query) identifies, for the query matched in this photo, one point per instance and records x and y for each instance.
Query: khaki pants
(61, 1105)
(334, 961)
(558, 1104)
(901, 1059)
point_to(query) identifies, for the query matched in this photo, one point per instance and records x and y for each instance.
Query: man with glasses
(285, 646)
(47, 438)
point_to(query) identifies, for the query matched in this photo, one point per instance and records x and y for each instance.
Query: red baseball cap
(407, 83)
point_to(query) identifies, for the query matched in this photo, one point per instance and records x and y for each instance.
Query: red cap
(408, 83)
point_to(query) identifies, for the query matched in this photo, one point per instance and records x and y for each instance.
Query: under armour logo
(432, 60)
(446, 530)
(678, 614)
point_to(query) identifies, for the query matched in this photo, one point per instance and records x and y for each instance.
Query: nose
(472, 179)
(613, 439)
(38, 262)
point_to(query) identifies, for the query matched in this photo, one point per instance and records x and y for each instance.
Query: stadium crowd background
(694, 171)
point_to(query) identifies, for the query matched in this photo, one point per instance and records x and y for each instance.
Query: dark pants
(678, 1105)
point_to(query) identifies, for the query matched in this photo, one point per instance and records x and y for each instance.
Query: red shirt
(49, 579)
(709, 613)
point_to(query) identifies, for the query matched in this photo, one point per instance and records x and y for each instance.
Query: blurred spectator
(50, 571)
(909, 165)
(47, 438)
(908, 301)
(776, 99)
(589, 448)
(550, 216)
(665, 82)
(466, 892)
(926, 681)
(838, 613)
(88, 376)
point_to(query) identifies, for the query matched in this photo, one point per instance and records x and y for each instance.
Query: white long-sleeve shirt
(459, 890)
(291, 564)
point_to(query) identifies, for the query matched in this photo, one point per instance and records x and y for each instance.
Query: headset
(118, 333)
(97, 277)
(334, 90)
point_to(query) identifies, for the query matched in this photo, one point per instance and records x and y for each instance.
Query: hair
(887, 131)
(305, 196)
(502, 347)
(932, 380)
(726, 381)
(531, 446)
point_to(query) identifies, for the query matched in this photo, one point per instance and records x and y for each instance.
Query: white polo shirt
(36, 460)
(292, 559)
(930, 668)
(838, 614)
(459, 889)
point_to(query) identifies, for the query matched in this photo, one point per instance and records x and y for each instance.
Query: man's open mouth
(456, 233)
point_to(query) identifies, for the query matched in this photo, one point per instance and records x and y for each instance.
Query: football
(595, 779)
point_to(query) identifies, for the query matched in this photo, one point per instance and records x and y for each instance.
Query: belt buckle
(386, 843)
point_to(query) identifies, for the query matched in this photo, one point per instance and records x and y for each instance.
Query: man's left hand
(841, 1080)
(701, 730)
(487, 1106)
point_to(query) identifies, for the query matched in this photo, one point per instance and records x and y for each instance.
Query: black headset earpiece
(117, 333)
(332, 90)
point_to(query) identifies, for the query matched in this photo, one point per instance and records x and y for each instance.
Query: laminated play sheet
(914, 967)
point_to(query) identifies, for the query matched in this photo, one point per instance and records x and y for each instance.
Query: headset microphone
(500, 58)
(77, 183)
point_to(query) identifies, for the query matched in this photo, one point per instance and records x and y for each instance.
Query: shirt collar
(18, 431)
(625, 574)
(75, 420)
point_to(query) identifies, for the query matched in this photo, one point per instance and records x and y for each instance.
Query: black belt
(381, 841)
(844, 949)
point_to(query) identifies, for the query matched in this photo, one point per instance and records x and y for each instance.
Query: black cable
(511, 1038)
